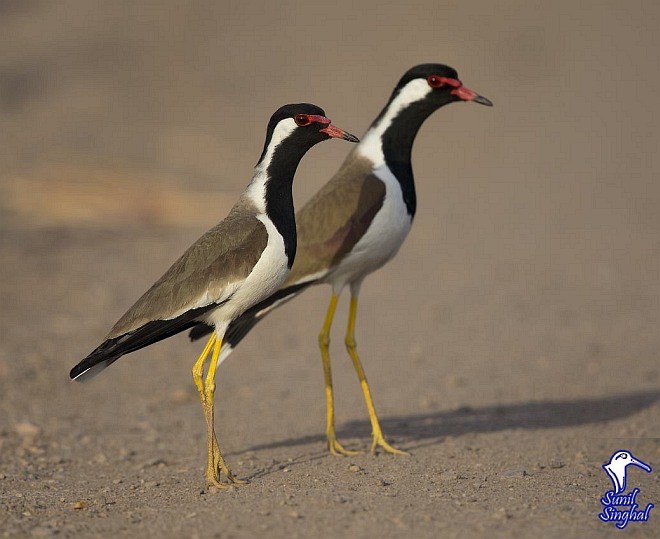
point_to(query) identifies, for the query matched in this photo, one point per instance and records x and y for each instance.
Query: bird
(233, 266)
(616, 469)
(357, 222)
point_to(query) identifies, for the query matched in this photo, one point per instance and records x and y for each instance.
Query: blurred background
(532, 270)
(179, 92)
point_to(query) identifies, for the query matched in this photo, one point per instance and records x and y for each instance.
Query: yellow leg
(378, 440)
(324, 344)
(198, 367)
(206, 389)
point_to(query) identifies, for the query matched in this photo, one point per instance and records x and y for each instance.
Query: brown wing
(335, 219)
(223, 256)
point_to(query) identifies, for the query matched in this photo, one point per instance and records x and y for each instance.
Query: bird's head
(436, 85)
(301, 126)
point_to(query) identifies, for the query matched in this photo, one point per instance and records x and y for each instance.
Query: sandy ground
(512, 346)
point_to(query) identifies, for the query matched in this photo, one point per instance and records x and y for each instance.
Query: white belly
(382, 240)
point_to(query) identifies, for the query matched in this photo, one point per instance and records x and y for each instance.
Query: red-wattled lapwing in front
(229, 269)
(358, 220)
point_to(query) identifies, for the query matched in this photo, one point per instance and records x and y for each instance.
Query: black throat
(397, 142)
(279, 197)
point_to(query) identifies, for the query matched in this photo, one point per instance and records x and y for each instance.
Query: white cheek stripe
(256, 191)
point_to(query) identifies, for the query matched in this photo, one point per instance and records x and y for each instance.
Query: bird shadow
(430, 428)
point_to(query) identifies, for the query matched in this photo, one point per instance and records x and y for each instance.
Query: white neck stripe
(256, 190)
(371, 144)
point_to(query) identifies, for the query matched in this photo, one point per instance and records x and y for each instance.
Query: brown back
(224, 255)
(336, 217)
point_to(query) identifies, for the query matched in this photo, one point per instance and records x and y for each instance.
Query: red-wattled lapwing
(358, 220)
(229, 269)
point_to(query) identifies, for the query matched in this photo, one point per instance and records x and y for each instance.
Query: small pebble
(501, 514)
(515, 472)
(79, 505)
(354, 468)
(27, 430)
(154, 462)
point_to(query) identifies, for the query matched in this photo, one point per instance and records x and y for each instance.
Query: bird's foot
(213, 480)
(380, 441)
(221, 466)
(339, 450)
(233, 479)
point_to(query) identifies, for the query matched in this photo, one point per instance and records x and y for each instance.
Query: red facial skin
(305, 119)
(460, 91)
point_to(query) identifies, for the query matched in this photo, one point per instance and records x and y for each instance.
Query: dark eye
(435, 81)
(302, 120)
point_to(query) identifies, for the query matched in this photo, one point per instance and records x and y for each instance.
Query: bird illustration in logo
(616, 469)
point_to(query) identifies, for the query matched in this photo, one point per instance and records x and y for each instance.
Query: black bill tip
(483, 101)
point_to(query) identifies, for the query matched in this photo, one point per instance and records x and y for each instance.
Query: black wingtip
(75, 372)
(82, 367)
(92, 365)
(151, 332)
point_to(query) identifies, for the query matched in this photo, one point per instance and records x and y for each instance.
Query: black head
(301, 126)
(437, 84)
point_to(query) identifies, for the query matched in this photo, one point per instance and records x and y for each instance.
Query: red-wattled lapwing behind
(229, 269)
(358, 220)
